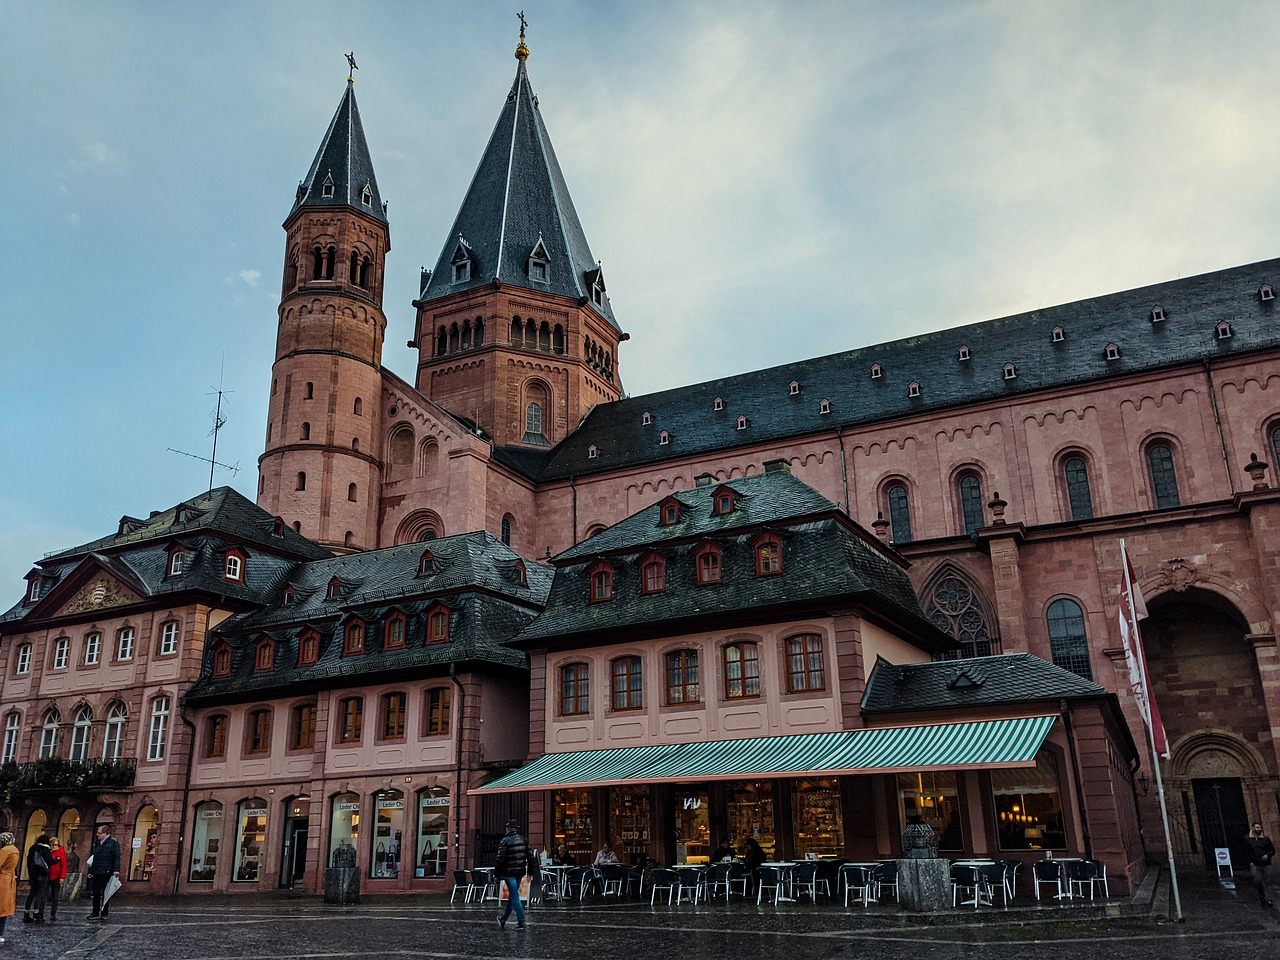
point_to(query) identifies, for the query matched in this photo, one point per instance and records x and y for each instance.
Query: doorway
(293, 861)
(1222, 816)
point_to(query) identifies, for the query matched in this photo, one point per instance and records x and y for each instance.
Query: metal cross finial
(523, 23)
(351, 62)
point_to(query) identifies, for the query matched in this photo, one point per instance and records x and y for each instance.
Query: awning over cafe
(941, 746)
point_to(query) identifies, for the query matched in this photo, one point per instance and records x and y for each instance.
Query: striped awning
(971, 745)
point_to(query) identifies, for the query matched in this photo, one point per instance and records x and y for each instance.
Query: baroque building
(488, 589)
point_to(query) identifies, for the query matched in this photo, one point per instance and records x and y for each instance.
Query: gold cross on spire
(522, 52)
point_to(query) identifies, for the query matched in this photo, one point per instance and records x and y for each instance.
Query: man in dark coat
(1261, 851)
(104, 864)
(513, 862)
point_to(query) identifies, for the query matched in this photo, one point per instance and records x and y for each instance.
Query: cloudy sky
(763, 182)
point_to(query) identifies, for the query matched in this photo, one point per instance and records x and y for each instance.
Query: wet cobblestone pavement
(1219, 923)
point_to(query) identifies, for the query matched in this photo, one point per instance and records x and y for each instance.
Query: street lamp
(1144, 783)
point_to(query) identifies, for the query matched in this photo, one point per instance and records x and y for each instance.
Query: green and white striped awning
(971, 745)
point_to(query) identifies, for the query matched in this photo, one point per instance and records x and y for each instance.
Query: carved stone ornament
(98, 593)
(1177, 575)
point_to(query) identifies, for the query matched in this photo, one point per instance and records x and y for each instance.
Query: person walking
(1261, 851)
(39, 860)
(514, 860)
(57, 873)
(9, 860)
(104, 863)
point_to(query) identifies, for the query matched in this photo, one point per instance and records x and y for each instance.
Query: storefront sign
(210, 814)
(390, 804)
(435, 801)
(255, 813)
(348, 806)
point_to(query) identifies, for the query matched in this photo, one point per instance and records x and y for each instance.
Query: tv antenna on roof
(218, 422)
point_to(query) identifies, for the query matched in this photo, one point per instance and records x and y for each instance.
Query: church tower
(320, 470)
(514, 329)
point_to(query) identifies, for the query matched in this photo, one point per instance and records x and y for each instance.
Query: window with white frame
(235, 567)
(113, 736)
(177, 563)
(24, 659)
(92, 648)
(124, 644)
(159, 728)
(61, 650)
(12, 724)
(169, 638)
(80, 735)
(49, 734)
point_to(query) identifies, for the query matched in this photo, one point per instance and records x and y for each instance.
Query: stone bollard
(924, 884)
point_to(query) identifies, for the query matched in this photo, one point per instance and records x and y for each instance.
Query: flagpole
(1133, 649)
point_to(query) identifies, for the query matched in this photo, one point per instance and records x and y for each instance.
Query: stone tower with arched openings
(320, 469)
(515, 332)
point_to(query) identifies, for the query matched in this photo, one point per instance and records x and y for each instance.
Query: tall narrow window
(393, 712)
(971, 506)
(506, 530)
(12, 725)
(1067, 640)
(438, 624)
(23, 664)
(215, 737)
(1275, 448)
(61, 652)
(436, 711)
(49, 734)
(308, 648)
(805, 668)
(169, 638)
(627, 687)
(222, 660)
(92, 648)
(1079, 496)
(350, 720)
(302, 727)
(124, 644)
(393, 638)
(353, 639)
(264, 657)
(682, 677)
(80, 731)
(1164, 480)
(158, 733)
(899, 512)
(741, 670)
(602, 585)
(533, 420)
(257, 732)
(113, 737)
(575, 689)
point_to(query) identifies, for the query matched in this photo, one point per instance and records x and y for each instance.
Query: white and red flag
(1132, 609)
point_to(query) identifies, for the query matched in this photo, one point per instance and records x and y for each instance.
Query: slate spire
(517, 224)
(342, 172)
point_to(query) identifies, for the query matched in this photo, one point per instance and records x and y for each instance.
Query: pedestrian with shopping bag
(514, 869)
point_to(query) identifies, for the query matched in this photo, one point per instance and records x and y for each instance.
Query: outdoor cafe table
(784, 877)
(558, 876)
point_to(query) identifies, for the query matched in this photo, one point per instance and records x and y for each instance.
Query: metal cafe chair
(481, 882)
(965, 877)
(885, 876)
(1012, 868)
(995, 876)
(693, 884)
(804, 879)
(461, 882)
(769, 878)
(1049, 872)
(857, 881)
(717, 880)
(616, 880)
(1086, 873)
(739, 877)
(663, 879)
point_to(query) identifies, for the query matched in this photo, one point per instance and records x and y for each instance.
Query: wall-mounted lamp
(1144, 783)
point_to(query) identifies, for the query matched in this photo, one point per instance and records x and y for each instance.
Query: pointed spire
(342, 172)
(518, 219)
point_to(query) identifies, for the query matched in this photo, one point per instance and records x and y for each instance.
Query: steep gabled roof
(978, 681)
(517, 199)
(342, 168)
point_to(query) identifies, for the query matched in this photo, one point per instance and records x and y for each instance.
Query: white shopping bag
(113, 885)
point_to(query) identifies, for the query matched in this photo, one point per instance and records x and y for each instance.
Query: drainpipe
(186, 793)
(574, 487)
(457, 791)
(1217, 422)
(1075, 768)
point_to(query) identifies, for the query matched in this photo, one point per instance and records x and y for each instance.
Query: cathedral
(808, 605)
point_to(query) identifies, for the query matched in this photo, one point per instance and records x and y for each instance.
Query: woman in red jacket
(57, 873)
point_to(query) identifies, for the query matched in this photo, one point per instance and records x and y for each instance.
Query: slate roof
(210, 524)
(517, 197)
(475, 575)
(978, 681)
(1193, 307)
(344, 158)
(826, 560)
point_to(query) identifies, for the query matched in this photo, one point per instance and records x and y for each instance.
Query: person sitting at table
(753, 854)
(606, 855)
(725, 851)
(563, 858)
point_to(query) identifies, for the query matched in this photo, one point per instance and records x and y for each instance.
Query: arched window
(768, 556)
(351, 492)
(533, 420)
(206, 839)
(1164, 480)
(306, 432)
(653, 575)
(575, 689)
(302, 484)
(80, 731)
(952, 605)
(1067, 640)
(265, 657)
(400, 444)
(357, 408)
(741, 670)
(222, 660)
(708, 564)
(899, 512)
(969, 490)
(158, 730)
(1275, 449)
(806, 670)
(682, 677)
(1079, 498)
(506, 530)
(49, 734)
(353, 639)
(517, 332)
(628, 691)
(308, 648)
(113, 738)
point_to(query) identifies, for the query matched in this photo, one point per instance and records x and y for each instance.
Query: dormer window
(1157, 314)
(265, 656)
(539, 263)
(1266, 293)
(426, 563)
(287, 597)
(353, 639)
(182, 513)
(34, 590)
(308, 647)
(717, 404)
(707, 564)
(664, 438)
(394, 632)
(438, 624)
(877, 371)
(742, 423)
(723, 502)
(366, 196)
(794, 389)
(461, 262)
(1058, 335)
(964, 353)
(327, 188)
(334, 590)
(1223, 330)
(233, 570)
(646, 418)
(177, 562)
(653, 573)
(522, 573)
(913, 389)
(277, 526)
(768, 549)
(1010, 372)
(222, 660)
(592, 452)
(1113, 351)
(600, 576)
(669, 513)
(824, 406)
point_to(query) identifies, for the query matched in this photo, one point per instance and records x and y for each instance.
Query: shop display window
(819, 823)
(750, 809)
(1028, 806)
(693, 827)
(932, 798)
(146, 836)
(433, 832)
(251, 839)
(206, 841)
(388, 834)
(572, 823)
(344, 829)
(631, 823)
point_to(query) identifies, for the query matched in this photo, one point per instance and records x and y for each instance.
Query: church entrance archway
(1223, 819)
